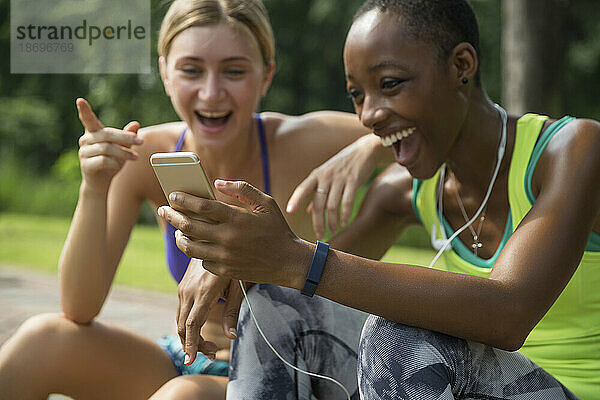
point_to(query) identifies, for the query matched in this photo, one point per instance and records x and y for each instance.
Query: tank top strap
(181, 140)
(526, 136)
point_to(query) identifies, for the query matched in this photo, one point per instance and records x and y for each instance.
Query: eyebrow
(383, 64)
(388, 63)
(228, 59)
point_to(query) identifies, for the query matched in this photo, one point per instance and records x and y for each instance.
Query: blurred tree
(37, 113)
(551, 56)
(533, 50)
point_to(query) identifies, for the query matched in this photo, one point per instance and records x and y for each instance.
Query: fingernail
(173, 197)
(220, 183)
(288, 209)
(187, 359)
(233, 332)
(138, 140)
(161, 212)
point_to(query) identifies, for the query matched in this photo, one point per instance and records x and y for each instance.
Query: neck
(475, 153)
(229, 160)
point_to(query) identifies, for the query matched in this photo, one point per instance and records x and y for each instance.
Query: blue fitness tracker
(316, 269)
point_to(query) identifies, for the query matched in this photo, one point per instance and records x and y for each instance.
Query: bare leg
(192, 387)
(51, 354)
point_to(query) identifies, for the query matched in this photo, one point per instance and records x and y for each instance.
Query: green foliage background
(39, 126)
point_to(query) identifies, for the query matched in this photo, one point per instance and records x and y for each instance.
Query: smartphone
(181, 172)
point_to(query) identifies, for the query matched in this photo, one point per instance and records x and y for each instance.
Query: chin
(423, 172)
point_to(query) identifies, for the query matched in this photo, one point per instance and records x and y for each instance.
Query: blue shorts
(201, 365)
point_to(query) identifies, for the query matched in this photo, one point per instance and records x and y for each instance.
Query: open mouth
(213, 120)
(389, 140)
(404, 145)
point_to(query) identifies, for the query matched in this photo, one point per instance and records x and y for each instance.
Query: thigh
(399, 361)
(314, 334)
(192, 387)
(95, 361)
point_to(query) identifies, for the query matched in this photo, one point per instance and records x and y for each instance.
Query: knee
(191, 387)
(37, 331)
(44, 325)
(387, 343)
(379, 332)
(390, 343)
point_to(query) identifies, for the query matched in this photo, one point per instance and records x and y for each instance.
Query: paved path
(24, 293)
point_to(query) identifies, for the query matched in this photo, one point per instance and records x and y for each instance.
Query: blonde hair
(248, 14)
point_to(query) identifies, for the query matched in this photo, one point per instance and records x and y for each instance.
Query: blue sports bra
(176, 259)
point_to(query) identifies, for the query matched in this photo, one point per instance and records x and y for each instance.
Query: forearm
(383, 155)
(465, 306)
(84, 274)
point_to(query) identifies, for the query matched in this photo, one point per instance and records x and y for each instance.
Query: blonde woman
(216, 62)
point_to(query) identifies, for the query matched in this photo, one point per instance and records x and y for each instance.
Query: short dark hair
(444, 23)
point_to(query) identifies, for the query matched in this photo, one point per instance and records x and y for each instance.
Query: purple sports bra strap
(180, 140)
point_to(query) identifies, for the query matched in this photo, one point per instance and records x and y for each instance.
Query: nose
(371, 113)
(211, 89)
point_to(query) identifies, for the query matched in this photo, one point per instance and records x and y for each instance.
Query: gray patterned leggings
(402, 362)
(314, 334)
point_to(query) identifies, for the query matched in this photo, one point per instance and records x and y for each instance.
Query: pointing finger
(90, 121)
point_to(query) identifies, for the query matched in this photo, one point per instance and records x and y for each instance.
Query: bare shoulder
(137, 176)
(319, 134)
(298, 144)
(577, 144)
(313, 122)
(570, 164)
(161, 137)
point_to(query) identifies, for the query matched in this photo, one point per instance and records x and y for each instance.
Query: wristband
(316, 269)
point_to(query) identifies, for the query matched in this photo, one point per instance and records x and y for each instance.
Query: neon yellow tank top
(566, 342)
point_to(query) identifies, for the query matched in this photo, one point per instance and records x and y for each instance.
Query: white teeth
(208, 114)
(387, 141)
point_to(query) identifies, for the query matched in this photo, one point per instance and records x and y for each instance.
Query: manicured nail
(187, 359)
(288, 209)
(220, 183)
(161, 212)
(233, 332)
(173, 197)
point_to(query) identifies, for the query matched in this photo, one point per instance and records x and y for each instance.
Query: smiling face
(215, 76)
(404, 92)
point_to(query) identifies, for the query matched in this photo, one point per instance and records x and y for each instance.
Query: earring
(465, 80)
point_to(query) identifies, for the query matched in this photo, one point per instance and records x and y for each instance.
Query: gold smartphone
(181, 172)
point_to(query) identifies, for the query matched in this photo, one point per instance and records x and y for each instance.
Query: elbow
(80, 317)
(512, 330)
(511, 342)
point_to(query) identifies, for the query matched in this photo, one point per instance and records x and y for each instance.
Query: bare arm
(106, 211)
(254, 244)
